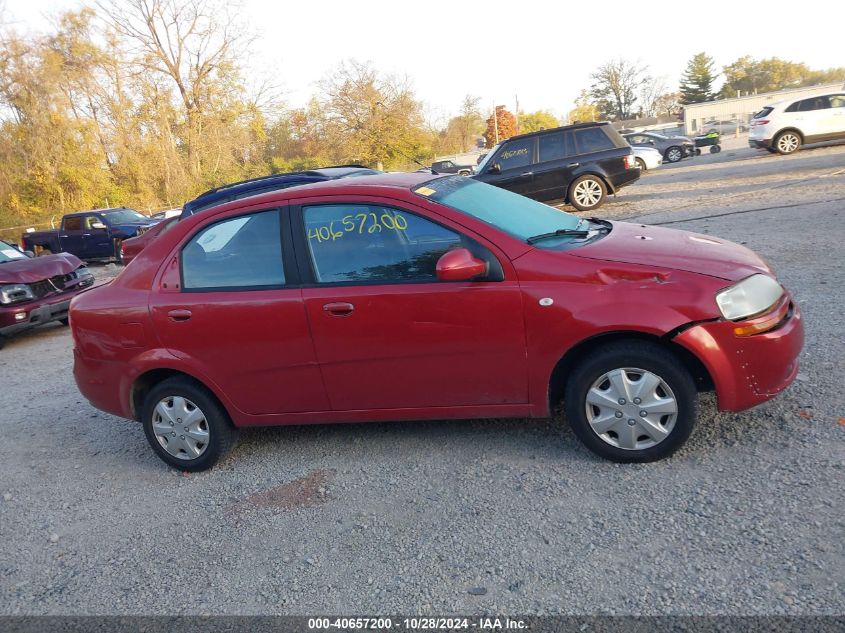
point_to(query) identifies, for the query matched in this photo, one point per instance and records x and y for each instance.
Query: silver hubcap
(587, 193)
(674, 155)
(631, 408)
(788, 143)
(180, 427)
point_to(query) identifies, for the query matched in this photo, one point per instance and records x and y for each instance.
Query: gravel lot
(508, 516)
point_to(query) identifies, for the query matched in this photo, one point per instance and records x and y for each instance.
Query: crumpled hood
(30, 270)
(674, 249)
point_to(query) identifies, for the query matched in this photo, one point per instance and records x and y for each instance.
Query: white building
(698, 116)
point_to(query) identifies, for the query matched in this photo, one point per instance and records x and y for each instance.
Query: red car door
(388, 334)
(236, 320)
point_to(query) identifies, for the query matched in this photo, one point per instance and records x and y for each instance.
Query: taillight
(760, 122)
(630, 161)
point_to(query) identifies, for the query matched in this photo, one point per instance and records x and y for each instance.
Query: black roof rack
(307, 172)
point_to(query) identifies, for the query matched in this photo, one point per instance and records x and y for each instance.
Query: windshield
(480, 167)
(512, 213)
(9, 253)
(124, 215)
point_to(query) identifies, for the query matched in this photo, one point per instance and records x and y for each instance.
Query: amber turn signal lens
(765, 322)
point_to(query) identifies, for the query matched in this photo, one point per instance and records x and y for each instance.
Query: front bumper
(747, 370)
(33, 313)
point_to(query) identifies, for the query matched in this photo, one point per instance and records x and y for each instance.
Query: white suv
(785, 126)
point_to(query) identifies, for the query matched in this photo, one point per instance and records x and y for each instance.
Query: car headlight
(749, 297)
(15, 293)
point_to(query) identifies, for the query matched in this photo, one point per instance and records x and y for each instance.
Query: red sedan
(402, 297)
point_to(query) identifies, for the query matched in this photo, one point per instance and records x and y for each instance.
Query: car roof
(104, 210)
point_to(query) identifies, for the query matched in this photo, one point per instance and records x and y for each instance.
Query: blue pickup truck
(94, 234)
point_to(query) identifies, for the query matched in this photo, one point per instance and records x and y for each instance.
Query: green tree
(539, 120)
(697, 80)
(585, 110)
(749, 75)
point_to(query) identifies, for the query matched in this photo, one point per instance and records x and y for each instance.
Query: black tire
(788, 142)
(118, 254)
(697, 151)
(641, 164)
(648, 357)
(222, 435)
(601, 192)
(44, 252)
(65, 321)
(3, 340)
(673, 154)
(715, 149)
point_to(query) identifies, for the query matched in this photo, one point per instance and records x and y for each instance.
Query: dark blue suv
(243, 189)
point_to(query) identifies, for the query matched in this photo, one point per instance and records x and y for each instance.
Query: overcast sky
(543, 52)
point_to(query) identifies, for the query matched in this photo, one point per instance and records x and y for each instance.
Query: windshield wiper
(558, 233)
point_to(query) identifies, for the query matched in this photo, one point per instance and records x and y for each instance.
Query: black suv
(579, 164)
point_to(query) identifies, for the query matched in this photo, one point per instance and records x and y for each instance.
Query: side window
(239, 253)
(516, 154)
(813, 103)
(555, 146)
(592, 139)
(368, 243)
(837, 101)
(73, 224)
(792, 107)
(91, 220)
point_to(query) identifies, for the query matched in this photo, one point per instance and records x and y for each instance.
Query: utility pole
(496, 121)
(516, 98)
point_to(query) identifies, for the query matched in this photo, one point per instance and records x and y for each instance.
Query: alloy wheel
(587, 193)
(788, 143)
(180, 427)
(674, 155)
(631, 408)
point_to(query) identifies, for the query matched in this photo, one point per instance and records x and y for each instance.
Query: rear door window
(73, 224)
(240, 253)
(592, 139)
(813, 103)
(516, 154)
(556, 146)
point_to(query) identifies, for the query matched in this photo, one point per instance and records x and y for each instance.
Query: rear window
(592, 139)
(556, 146)
(762, 114)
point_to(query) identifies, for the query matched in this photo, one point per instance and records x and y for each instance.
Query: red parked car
(37, 290)
(130, 248)
(402, 297)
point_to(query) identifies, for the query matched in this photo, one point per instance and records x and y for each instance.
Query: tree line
(147, 103)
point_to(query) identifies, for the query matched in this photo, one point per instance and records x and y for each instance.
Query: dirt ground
(488, 516)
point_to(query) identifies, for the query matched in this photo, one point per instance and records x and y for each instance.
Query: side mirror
(29, 253)
(459, 265)
(495, 168)
(99, 226)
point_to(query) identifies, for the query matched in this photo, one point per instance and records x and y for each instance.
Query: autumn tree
(697, 80)
(539, 120)
(585, 110)
(500, 125)
(616, 84)
(371, 117)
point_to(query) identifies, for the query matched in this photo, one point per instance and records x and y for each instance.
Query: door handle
(339, 308)
(527, 173)
(574, 165)
(64, 236)
(179, 315)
